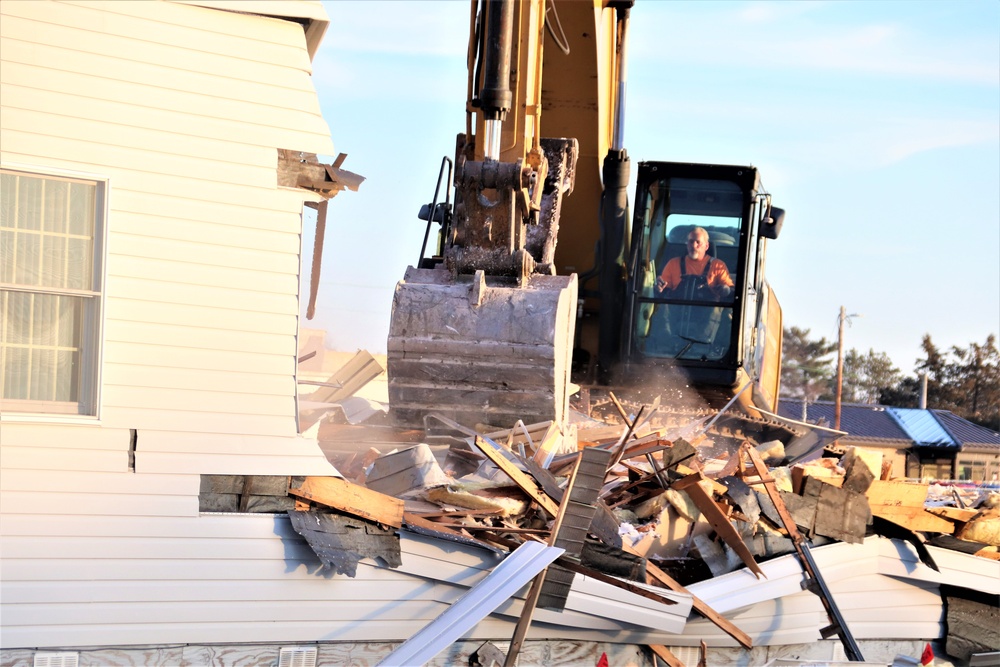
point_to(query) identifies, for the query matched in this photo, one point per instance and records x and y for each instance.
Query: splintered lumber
(351, 498)
(523, 480)
(719, 521)
(813, 577)
(699, 605)
(903, 503)
(605, 525)
(577, 520)
(605, 518)
(578, 509)
(959, 514)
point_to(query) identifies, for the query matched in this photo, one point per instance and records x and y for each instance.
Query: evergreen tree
(974, 382)
(806, 365)
(866, 375)
(968, 385)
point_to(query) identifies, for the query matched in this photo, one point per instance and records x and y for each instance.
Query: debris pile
(691, 506)
(633, 504)
(647, 507)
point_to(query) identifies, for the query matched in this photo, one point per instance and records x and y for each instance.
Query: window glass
(693, 239)
(49, 299)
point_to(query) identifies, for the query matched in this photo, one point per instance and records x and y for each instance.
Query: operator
(696, 276)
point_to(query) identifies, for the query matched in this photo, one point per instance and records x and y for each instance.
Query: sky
(876, 125)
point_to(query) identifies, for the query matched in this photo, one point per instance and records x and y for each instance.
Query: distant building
(934, 444)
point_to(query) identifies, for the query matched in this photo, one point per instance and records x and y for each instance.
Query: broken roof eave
(307, 13)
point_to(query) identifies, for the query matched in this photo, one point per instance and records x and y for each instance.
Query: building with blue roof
(917, 443)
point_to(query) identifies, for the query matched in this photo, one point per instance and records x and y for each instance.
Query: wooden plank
(523, 480)
(953, 513)
(569, 531)
(663, 653)
(895, 493)
(351, 498)
(903, 503)
(915, 518)
(578, 508)
(719, 522)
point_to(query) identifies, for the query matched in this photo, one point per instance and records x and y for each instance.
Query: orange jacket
(718, 274)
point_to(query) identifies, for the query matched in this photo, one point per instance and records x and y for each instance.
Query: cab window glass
(695, 223)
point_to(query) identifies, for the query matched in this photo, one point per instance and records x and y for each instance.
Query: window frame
(88, 404)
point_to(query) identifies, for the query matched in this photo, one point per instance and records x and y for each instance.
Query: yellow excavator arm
(489, 330)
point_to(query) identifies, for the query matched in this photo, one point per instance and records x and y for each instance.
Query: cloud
(790, 36)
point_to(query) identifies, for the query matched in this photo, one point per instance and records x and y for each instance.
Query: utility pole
(840, 363)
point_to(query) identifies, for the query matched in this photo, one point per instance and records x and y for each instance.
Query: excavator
(540, 283)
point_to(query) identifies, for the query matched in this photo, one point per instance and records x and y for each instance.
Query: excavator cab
(704, 321)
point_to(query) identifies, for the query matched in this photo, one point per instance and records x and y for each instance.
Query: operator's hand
(661, 284)
(725, 291)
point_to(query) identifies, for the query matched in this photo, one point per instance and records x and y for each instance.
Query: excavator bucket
(479, 350)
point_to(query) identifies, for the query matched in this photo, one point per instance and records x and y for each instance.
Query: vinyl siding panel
(108, 504)
(291, 462)
(179, 421)
(242, 577)
(138, 375)
(183, 336)
(164, 291)
(146, 243)
(239, 577)
(63, 436)
(44, 459)
(133, 148)
(198, 111)
(193, 400)
(230, 226)
(126, 484)
(149, 353)
(183, 110)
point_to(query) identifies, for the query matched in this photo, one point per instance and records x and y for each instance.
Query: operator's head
(697, 243)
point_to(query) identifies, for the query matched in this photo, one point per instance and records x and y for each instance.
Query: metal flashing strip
(480, 601)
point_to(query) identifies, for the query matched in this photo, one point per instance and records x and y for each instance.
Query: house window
(51, 231)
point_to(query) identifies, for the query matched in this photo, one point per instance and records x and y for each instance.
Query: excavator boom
(493, 327)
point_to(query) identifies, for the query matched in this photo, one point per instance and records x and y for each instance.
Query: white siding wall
(183, 109)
